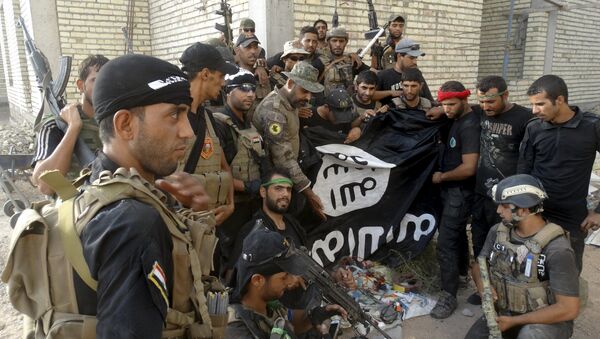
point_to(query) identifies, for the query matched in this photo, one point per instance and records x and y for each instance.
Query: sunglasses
(242, 87)
(249, 30)
(415, 47)
(296, 58)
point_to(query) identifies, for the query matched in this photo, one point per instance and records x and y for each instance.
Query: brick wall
(95, 27)
(177, 24)
(448, 31)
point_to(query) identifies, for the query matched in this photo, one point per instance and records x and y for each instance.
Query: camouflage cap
(305, 75)
(247, 23)
(292, 47)
(337, 32)
(396, 17)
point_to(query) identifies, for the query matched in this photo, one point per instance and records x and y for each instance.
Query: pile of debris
(17, 139)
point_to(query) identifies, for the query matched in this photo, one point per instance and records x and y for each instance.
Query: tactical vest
(388, 58)
(249, 147)
(46, 248)
(522, 286)
(208, 169)
(424, 104)
(337, 74)
(260, 327)
(362, 110)
(89, 133)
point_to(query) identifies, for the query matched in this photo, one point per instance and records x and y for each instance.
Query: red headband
(449, 95)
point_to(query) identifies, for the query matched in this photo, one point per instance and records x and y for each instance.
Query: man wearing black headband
(128, 245)
(206, 69)
(243, 149)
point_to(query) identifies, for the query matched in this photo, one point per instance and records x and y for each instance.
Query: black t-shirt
(501, 136)
(390, 79)
(559, 263)
(562, 157)
(225, 134)
(362, 106)
(463, 138)
(127, 247)
(275, 60)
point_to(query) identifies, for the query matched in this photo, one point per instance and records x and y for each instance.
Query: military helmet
(337, 32)
(521, 190)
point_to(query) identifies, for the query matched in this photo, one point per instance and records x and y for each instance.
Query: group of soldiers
(221, 143)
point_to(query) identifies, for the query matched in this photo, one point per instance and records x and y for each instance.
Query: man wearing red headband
(457, 179)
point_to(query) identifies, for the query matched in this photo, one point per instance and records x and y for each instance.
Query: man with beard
(395, 30)
(132, 245)
(559, 148)
(389, 84)
(247, 52)
(276, 118)
(321, 26)
(502, 129)
(267, 269)
(365, 84)
(54, 148)
(340, 68)
(243, 149)
(206, 69)
(412, 83)
(531, 267)
(456, 177)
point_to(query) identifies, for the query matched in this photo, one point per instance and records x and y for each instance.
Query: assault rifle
(487, 300)
(53, 92)
(374, 34)
(334, 293)
(335, 20)
(225, 12)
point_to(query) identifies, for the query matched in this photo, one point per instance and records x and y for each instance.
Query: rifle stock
(336, 294)
(487, 300)
(53, 93)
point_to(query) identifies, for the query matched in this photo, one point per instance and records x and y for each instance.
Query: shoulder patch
(275, 128)
(159, 280)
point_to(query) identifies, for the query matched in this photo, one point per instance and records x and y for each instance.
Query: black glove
(319, 314)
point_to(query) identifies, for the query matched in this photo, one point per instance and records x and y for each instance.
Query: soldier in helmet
(340, 68)
(395, 30)
(531, 265)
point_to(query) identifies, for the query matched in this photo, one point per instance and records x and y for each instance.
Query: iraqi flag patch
(158, 278)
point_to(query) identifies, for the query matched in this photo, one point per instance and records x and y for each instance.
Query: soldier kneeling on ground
(531, 265)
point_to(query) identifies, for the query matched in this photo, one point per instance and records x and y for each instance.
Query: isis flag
(377, 193)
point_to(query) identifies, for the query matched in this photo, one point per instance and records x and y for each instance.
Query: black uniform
(562, 157)
(390, 79)
(457, 198)
(125, 245)
(501, 136)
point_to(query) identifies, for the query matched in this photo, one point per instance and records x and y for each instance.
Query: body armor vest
(388, 58)
(208, 169)
(517, 272)
(245, 164)
(337, 74)
(49, 295)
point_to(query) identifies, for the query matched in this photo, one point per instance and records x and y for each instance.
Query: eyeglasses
(242, 87)
(296, 58)
(249, 30)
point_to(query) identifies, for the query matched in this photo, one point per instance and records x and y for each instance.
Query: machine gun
(334, 293)
(225, 12)
(335, 20)
(374, 34)
(487, 300)
(52, 92)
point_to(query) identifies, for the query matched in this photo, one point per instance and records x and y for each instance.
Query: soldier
(247, 51)
(54, 149)
(309, 41)
(292, 53)
(248, 29)
(267, 269)
(276, 118)
(395, 30)
(412, 83)
(531, 265)
(457, 178)
(389, 84)
(340, 68)
(502, 128)
(243, 149)
(206, 69)
(133, 246)
(559, 148)
(366, 82)
(321, 26)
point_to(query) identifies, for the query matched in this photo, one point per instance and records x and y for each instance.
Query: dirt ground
(587, 324)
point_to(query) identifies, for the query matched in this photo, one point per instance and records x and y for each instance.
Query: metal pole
(508, 34)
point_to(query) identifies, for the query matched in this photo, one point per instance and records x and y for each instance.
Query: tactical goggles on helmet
(246, 87)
